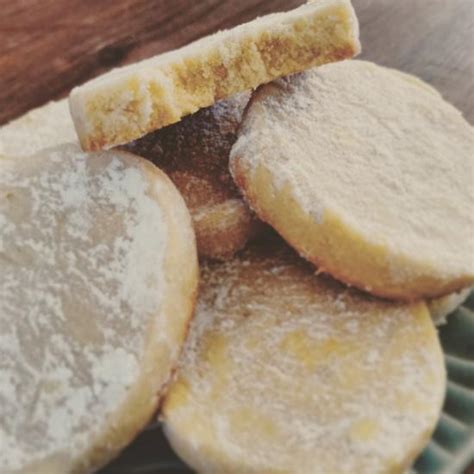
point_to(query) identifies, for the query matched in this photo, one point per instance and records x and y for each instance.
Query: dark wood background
(48, 46)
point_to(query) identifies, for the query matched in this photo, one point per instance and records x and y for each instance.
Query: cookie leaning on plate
(285, 369)
(134, 100)
(194, 153)
(94, 305)
(365, 171)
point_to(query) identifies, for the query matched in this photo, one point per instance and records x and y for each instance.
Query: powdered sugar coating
(82, 243)
(283, 368)
(43, 127)
(129, 102)
(380, 152)
(194, 153)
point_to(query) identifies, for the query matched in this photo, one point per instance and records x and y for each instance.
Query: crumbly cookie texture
(93, 308)
(132, 101)
(365, 171)
(284, 368)
(194, 153)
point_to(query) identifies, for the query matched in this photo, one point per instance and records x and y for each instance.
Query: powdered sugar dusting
(128, 102)
(81, 249)
(46, 126)
(279, 357)
(194, 153)
(357, 141)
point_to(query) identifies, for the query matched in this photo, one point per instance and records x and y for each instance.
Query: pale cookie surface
(94, 305)
(132, 101)
(194, 153)
(441, 308)
(365, 171)
(44, 127)
(284, 369)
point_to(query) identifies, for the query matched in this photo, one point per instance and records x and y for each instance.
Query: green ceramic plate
(451, 450)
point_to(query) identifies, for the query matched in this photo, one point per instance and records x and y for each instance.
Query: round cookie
(365, 171)
(286, 370)
(194, 153)
(94, 304)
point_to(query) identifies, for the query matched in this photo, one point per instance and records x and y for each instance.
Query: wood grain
(48, 46)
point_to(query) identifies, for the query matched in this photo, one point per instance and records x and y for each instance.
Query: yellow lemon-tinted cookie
(131, 101)
(286, 370)
(365, 172)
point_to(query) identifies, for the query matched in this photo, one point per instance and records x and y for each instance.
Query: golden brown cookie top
(131, 101)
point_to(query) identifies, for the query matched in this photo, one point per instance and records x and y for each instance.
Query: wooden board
(48, 46)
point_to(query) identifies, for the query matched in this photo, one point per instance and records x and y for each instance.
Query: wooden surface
(48, 46)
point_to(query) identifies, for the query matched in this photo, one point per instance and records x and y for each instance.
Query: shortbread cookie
(44, 127)
(132, 101)
(366, 173)
(97, 284)
(285, 370)
(195, 154)
(441, 308)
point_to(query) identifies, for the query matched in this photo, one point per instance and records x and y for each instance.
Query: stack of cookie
(321, 206)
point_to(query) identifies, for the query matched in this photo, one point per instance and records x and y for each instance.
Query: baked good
(441, 308)
(194, 153)
(286, 370)
(43, 127)
(94, 304)
(365, 173)
(134, 100)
